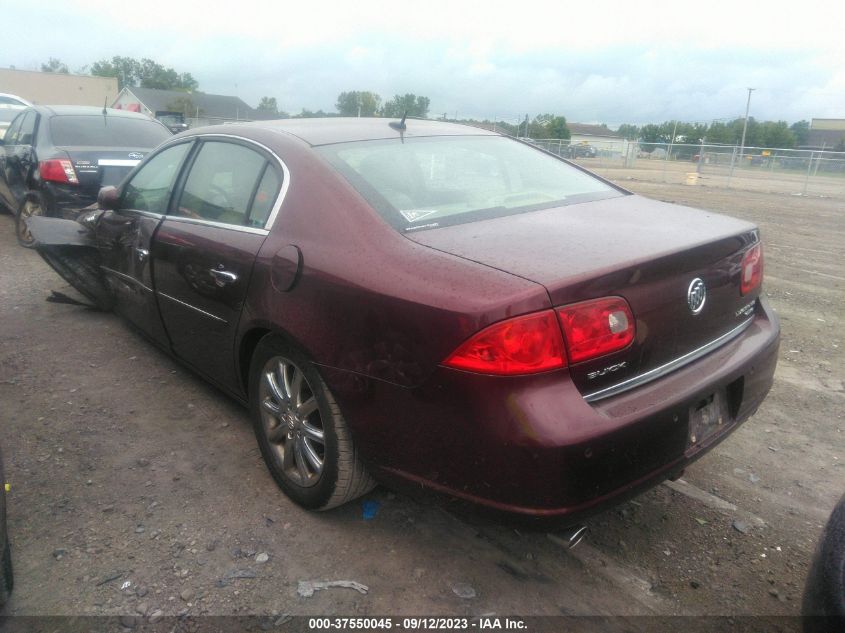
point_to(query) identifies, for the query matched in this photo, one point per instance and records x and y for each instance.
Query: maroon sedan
(436, 304)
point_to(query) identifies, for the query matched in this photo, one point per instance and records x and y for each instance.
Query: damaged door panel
(69, 247)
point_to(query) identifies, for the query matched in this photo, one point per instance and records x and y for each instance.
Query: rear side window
(106, 131)
(221, 183)
(13, 132)
(265, 197)
(149, 190)
(27, 131)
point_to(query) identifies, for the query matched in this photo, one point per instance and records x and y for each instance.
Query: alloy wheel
(28, 209)
(291, 421)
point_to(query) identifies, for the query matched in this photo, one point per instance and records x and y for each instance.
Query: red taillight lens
(57, 170)
(595, 328)
(523, 345)
(752, 269)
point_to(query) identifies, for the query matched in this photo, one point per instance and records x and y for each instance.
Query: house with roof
(826, 134)
(196, 108)
(599, 136)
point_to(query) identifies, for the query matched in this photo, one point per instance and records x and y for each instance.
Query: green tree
(557, 128)
(409, 104)
(54, 65)
(145, 73)
(775, 134)
(348, 103)
(125, 69)
(801, 131)
(268, 104)
(628, 131)
(310, 114)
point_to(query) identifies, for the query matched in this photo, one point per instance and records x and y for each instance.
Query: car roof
(67, 110)
(324, 131)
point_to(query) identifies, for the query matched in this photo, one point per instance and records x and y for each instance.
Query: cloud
(605, 62)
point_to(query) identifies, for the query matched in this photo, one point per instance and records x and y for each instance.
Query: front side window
(27, 133)
(436, 181)
(149, 190)
(14, 131)
(221, 183)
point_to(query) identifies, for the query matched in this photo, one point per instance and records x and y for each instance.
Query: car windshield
(422, 183)
(106, 131)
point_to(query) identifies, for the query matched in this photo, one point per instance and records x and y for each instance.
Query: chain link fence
(765, 169)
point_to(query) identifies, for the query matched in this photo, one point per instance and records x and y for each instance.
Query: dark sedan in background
(435, 304)
(54, 159)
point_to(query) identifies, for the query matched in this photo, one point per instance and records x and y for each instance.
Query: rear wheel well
(248, 344)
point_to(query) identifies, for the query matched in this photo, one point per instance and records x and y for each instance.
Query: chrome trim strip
(110, 162)
(188, 305)
(672, 365)
(220, 225)
(285, 174)
(125, 277)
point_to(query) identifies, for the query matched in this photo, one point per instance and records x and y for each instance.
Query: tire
(33, 204)
(7, 579)
(303, 437)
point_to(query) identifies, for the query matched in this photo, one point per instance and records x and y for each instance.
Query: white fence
(772, 169)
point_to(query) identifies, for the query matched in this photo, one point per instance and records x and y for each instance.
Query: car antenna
(400, 126)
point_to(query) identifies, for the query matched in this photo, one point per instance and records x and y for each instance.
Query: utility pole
(745, 124)
(526, 126)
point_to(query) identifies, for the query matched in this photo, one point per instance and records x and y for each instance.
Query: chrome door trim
(659, 372)
(125, 277)
(188, 305)
(220, 225)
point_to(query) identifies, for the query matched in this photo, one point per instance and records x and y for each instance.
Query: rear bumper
(66, 201)
(532, 445)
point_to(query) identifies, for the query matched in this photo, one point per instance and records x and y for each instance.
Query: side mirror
(108, 197)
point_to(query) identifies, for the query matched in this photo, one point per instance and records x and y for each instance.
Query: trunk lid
(102, 166)
(646, 251)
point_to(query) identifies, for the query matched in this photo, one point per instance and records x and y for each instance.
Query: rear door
(204, 251)
(124, 238)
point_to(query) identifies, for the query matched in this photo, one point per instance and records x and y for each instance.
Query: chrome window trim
(188, 305)
(268, 225)
(659, 372)
(220, 225)
(126, 277)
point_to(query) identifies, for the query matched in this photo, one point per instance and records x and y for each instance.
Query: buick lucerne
(434, 304)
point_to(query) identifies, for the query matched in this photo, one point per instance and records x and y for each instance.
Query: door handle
(222, 277)
(143, 253)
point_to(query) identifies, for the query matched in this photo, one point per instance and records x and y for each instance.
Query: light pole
(745, 124)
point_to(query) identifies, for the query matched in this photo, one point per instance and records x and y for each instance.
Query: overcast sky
(592, 61)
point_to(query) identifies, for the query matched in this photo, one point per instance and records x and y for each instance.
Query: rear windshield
(106, 131)
(425, 183)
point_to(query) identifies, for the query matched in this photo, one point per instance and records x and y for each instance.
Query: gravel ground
(139, 489)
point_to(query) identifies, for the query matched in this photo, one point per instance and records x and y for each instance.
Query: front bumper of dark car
(532, 445)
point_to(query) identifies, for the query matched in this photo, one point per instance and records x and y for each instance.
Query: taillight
(752, 269)
(595, 328)
(522, 345)
(58, 170)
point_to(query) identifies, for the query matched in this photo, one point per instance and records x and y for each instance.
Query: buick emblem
(696, 295)
(135, 155)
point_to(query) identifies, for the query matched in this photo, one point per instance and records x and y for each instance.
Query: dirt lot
(137, 488)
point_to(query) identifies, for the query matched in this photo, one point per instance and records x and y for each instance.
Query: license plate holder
(706, 418)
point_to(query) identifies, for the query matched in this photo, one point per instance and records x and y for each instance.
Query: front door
(204, 251)
(124, 238)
